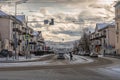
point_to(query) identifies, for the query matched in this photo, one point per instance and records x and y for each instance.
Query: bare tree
(84, 43)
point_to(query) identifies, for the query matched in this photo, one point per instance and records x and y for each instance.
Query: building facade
(15, 35)
(117, 27)
(103, 39)
(11, 31)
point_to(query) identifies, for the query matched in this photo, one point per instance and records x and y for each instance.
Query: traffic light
(46, 21)
(52, 22)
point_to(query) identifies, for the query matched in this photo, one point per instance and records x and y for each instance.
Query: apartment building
(12, 29)
(16, 35)
(103, 39)
(21, 35)
(117, 27)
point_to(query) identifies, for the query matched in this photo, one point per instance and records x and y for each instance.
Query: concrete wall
(117, 28)
(5, 28)
(111, 35)
(117, 37)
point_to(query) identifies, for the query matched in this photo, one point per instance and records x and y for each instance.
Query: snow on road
(112, 70)
(76, 60)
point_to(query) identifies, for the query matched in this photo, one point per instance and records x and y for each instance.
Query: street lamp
(15, 35)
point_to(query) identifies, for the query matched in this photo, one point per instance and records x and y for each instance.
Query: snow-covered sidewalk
(23, 58)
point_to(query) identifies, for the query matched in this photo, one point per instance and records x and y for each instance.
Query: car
(83, 53)
(93, 54)
(4, 52)
(60, 56)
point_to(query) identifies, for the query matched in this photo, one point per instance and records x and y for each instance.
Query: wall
(5, 28)
(117, 28)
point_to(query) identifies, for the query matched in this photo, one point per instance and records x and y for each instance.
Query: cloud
(87, 12)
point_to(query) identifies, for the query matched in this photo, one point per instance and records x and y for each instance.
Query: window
(117, 39)
(104, 32)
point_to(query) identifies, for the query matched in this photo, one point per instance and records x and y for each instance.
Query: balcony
(40, 41)
(11, 43)
(19, 40)
(34, 43)
(31, 35)
(15, 29)
(24, 32)
(97, 37)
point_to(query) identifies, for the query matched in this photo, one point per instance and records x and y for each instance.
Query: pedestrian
(71, 56)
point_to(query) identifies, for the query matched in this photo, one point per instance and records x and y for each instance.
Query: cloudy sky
(70, 16)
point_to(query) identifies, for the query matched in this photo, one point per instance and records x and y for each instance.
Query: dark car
(60, 56)
(4, 52)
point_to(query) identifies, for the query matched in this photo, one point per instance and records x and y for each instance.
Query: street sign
(46, 21)
(52, 22)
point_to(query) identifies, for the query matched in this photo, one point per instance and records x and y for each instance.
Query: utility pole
(28, 55)
(15, 36)
(15, 26)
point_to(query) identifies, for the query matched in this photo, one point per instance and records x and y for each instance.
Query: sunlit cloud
(87, 12)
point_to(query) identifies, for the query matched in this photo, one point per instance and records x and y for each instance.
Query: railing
(15, 29)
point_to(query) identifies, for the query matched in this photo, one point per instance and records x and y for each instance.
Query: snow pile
(41, 63)
(78, 59)
(23, 58)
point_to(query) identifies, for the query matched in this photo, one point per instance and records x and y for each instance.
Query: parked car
(93, 54)
(4, 52)
(83, 53)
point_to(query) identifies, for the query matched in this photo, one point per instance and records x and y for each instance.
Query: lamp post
(15, 34)
(15, 38)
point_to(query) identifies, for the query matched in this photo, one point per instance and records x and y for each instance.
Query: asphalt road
(88, 71)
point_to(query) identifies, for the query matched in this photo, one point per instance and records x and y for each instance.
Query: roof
(21, 18)
(101, 25)
(7, 16)
(3, 13)
(118, 3)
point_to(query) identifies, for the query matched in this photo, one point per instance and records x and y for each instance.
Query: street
(97, 70)
(59, 39)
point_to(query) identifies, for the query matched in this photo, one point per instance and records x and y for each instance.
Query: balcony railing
(15, 29)
(98, 37)
(40, 41)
